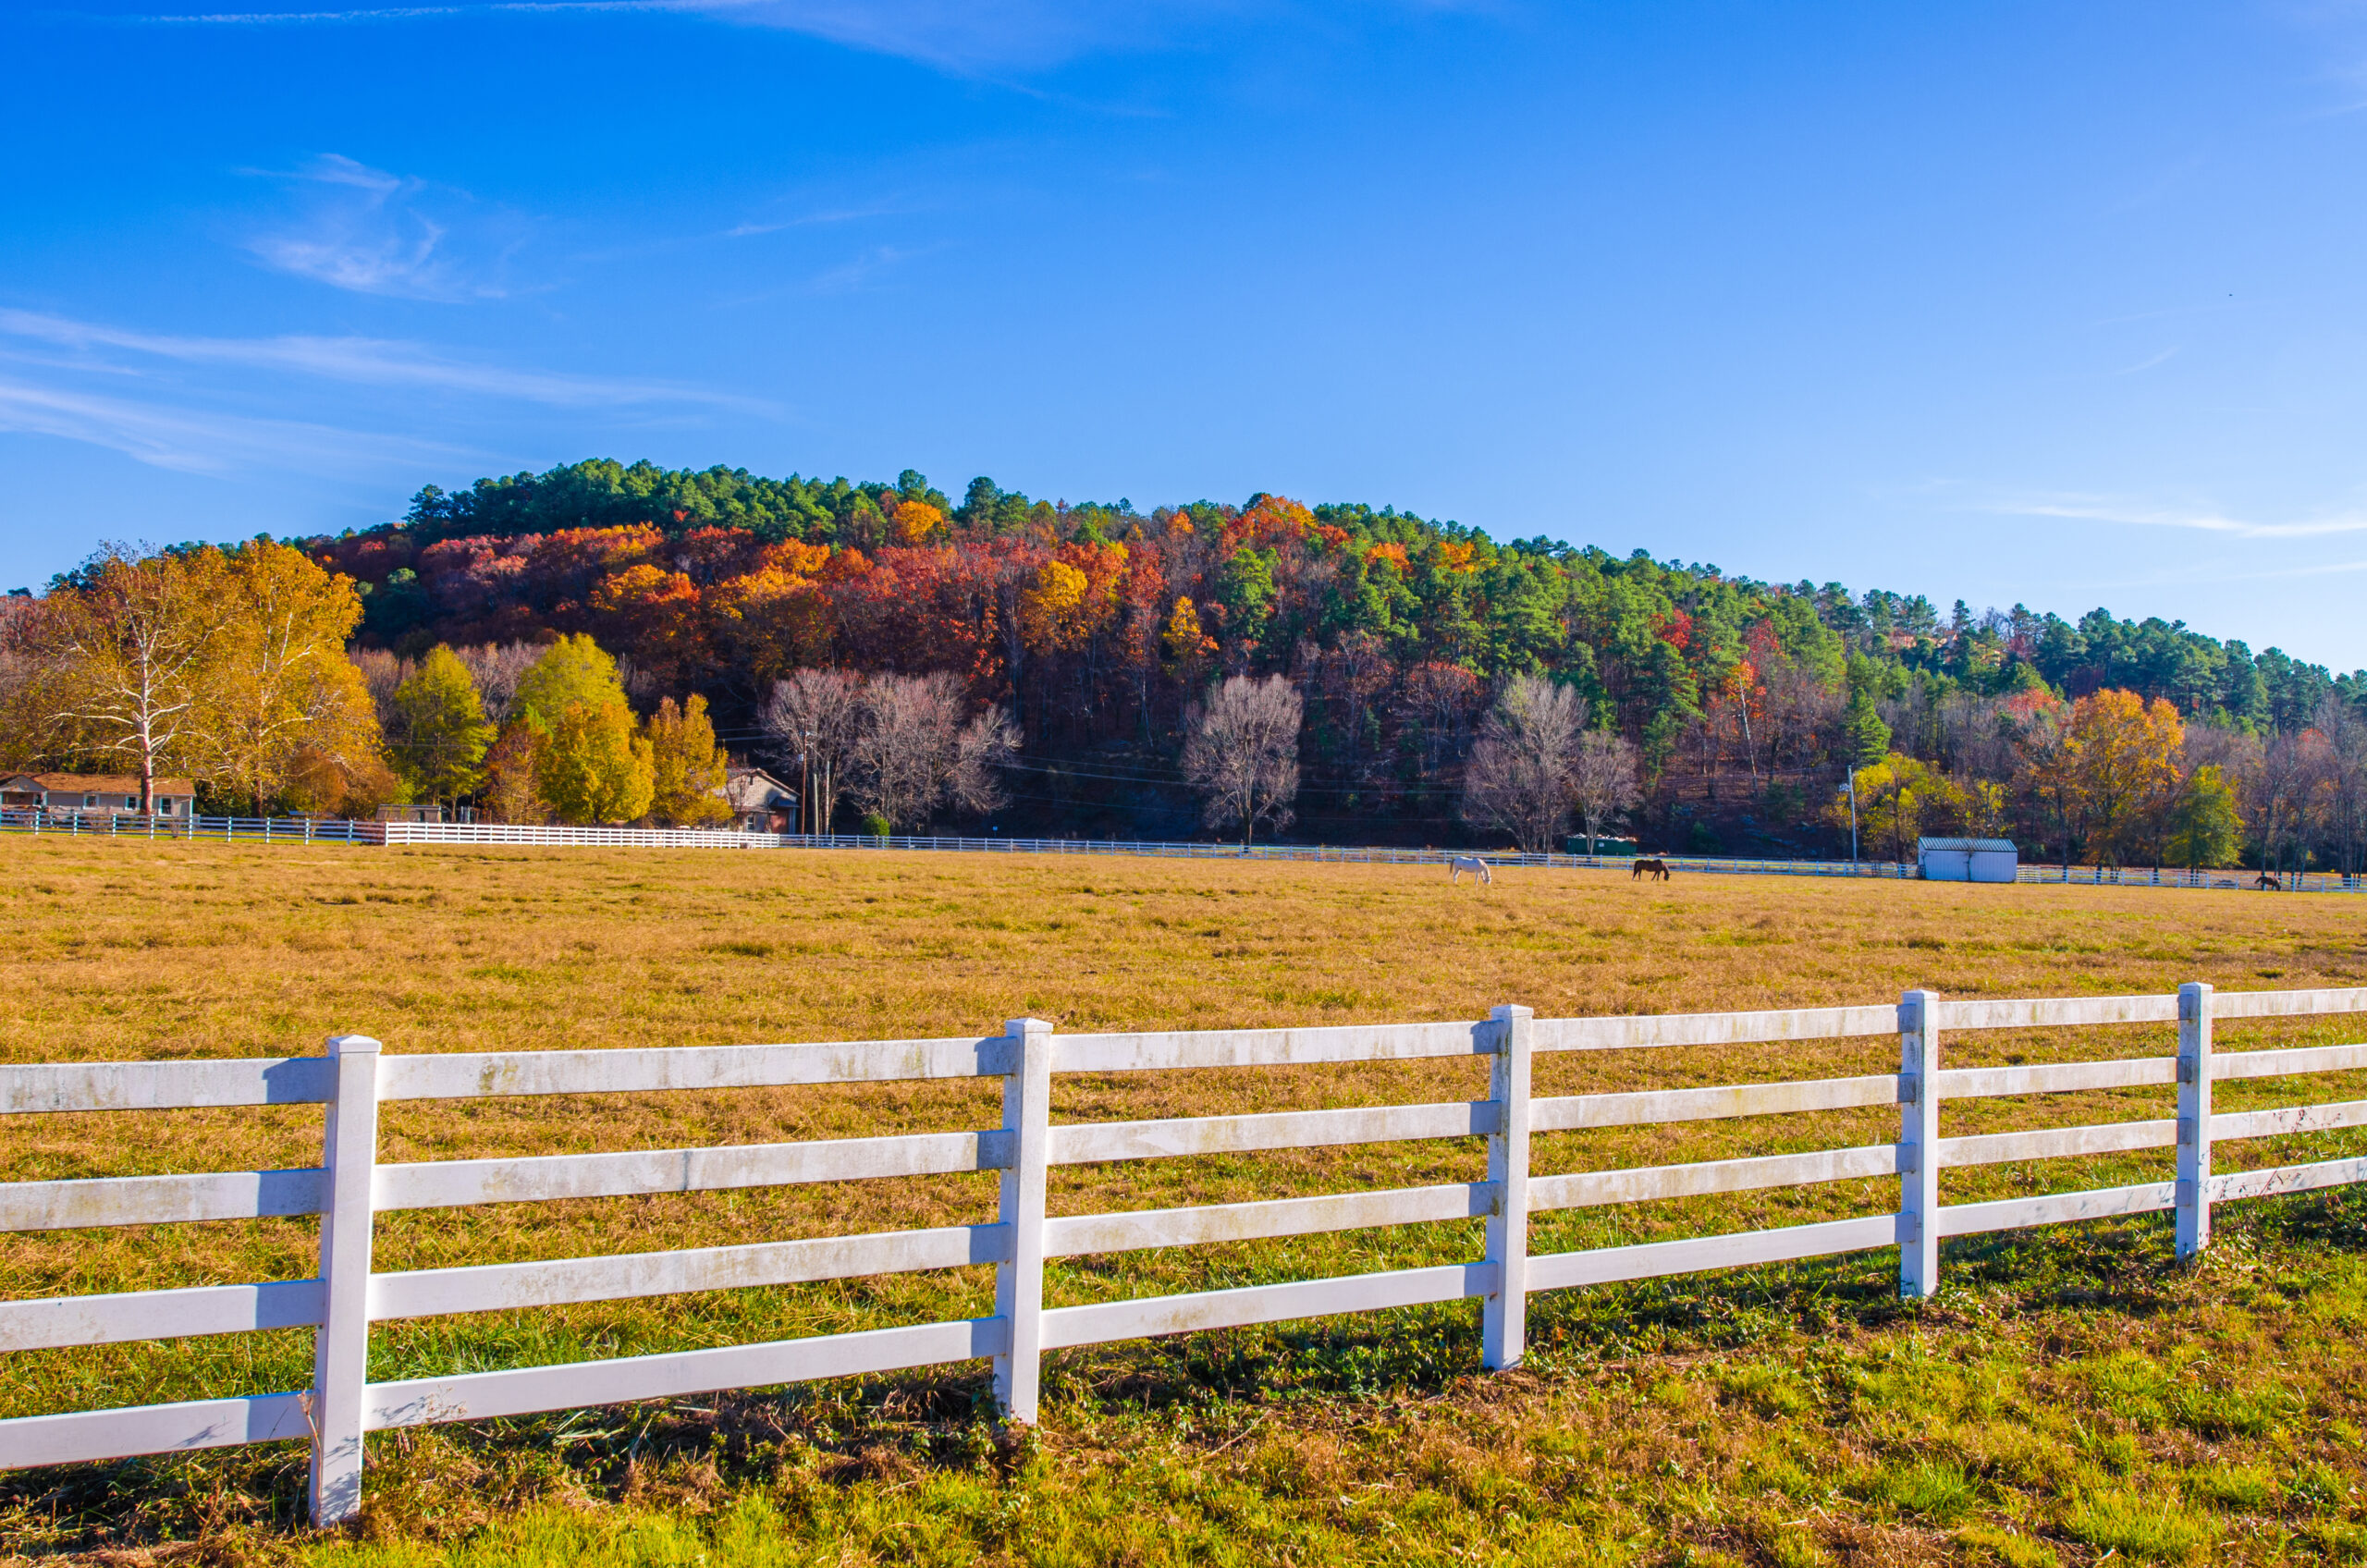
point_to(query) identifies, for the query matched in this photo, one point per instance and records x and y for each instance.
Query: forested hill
(719, 580)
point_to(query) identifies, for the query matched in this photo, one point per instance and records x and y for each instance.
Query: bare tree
(495, 667)
(1603, 780)
(1519, 775)
(2280, 796)
(641, 686)
(1798, 706)
(2345, 728)
(1977, 737)
(382, 676)
(986, 745)
(814, 718)
(915, 754)
(1242, 754)
(123, 656)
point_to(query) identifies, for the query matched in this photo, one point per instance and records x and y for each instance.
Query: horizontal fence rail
(351, 1185)
(233, 829)
(315, 830)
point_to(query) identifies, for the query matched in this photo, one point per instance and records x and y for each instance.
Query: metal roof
(1994, 846)
(96, 783)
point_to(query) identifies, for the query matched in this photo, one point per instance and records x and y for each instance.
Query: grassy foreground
(2073, 1396)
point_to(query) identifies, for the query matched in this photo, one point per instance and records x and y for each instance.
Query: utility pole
(806, 780)
(1853, 816)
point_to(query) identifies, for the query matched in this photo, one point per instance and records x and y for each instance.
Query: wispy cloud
(2215, 574)
(199, 440)
(855, 273)
(364, 229)
(369, 362)
(2149, 363)
(2200, 519)
(178, 401)
(380, 13)
(963, 36)
(823, 217)
(968, 36)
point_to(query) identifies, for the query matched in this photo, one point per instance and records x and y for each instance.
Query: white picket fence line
(354, 1078)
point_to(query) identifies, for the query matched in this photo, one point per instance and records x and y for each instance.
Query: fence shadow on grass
(1204, 1390)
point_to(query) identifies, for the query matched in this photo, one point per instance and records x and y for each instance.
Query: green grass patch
(2141, 1527)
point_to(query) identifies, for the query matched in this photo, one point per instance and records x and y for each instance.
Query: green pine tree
(1864, 733)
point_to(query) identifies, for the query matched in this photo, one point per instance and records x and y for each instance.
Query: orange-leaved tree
(2119, 755)
(653, 615)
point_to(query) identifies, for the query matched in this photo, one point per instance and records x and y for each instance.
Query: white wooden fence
(128, 825)
(353, 1079)
(312, 830)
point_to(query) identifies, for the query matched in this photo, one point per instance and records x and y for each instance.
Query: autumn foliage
(1099, 631)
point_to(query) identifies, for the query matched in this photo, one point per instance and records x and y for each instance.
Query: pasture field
(2072, 1395)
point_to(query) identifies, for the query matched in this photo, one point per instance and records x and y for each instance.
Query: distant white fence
(1154, 849)
(353, 1079)
(312, 830)
(236, 829)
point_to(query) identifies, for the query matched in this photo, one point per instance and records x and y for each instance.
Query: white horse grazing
(1458, 864)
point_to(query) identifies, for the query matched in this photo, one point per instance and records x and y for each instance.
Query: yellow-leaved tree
(441, 728)
(2206, 826)
(687, 766)
(591, 764)
(283, 701)
(1898, 800)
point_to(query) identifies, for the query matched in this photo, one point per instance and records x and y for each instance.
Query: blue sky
(2057, 304)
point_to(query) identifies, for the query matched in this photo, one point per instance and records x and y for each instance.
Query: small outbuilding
(1966, 860)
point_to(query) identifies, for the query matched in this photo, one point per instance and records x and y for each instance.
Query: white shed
(1966, 860)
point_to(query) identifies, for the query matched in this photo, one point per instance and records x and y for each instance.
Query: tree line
(1437, 686)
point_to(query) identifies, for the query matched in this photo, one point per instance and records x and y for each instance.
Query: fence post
(2194, 1118)
(1504, 1316)
(1018, 1284)
(1919, 1133)
(341, 1344)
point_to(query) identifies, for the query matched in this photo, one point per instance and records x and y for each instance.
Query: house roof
(93, 783)
(752, 789)
(1989, 846)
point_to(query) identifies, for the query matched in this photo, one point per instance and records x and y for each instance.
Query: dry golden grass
(127, 951)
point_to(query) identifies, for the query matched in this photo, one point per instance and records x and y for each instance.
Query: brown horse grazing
(1657, 869)
(2269, 884)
